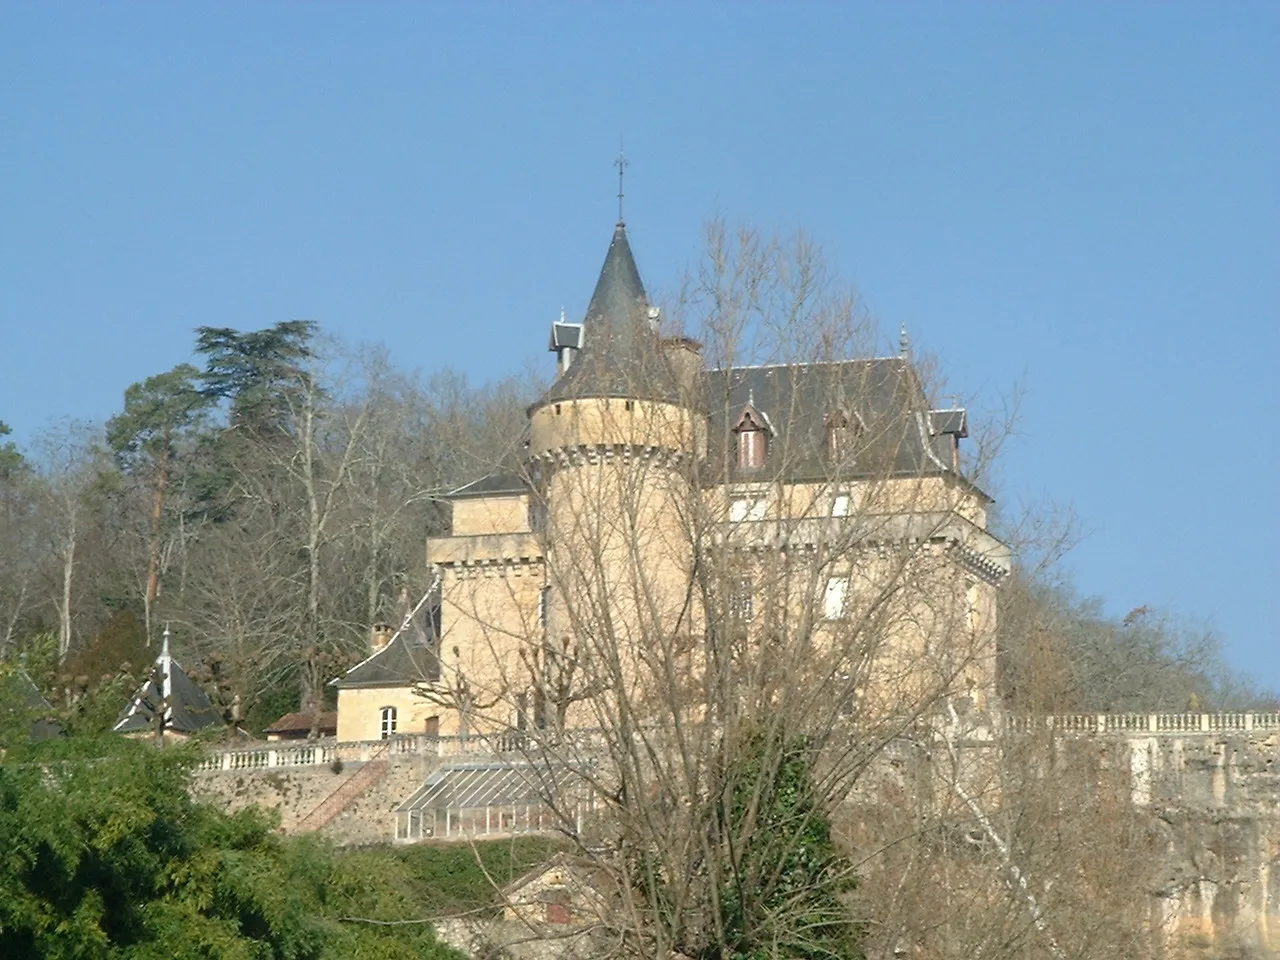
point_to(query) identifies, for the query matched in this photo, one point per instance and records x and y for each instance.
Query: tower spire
(621, 164)
(904, 343)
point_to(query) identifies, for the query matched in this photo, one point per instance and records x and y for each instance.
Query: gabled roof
(186, 707)
(587, 872)
(301, 723)
(621, 351)
(409, 658)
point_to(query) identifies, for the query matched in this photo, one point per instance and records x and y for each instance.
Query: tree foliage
(106, 856)
(781, 875)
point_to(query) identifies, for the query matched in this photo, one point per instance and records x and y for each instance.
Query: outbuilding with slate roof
(168, 702)
(383, 695)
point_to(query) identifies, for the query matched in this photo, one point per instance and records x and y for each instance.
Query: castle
(659, 498)
(678, 535)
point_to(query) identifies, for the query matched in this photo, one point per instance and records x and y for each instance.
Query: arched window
(388, 721)
(753, 439)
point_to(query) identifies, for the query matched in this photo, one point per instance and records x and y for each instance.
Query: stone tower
(610, 449)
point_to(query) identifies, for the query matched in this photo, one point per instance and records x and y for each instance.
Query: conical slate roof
(621, 355)
(186, 707)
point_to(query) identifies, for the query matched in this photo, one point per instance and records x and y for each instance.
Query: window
(745, 508)
(835, 599)
(544, 599)
(742, 606)
(388, 721)
(846, 694)
(841, 505)
(752, 429)
(752, 445)
(629, 405)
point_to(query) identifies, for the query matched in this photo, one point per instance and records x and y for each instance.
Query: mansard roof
(621, 354)
(186, 707)
(883, 396)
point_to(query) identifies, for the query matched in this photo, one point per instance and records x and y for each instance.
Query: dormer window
(751, 449)
(753, 439)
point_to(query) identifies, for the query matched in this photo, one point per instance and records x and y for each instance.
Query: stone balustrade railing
(313, 753)
(1155, 723)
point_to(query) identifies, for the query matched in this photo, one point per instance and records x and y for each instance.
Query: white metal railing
(1190, 723)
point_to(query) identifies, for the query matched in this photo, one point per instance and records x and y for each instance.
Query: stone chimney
(380, 636)
(684, 355)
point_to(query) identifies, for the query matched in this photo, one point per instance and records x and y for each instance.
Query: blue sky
(1082, 198)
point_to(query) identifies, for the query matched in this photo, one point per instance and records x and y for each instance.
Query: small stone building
(383, 695)
(297, 726)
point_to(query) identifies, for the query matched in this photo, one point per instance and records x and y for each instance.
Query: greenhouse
(470, 800)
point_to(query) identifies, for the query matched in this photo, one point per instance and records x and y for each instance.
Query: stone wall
(1214, 797)
(1217, 798)
(294, 781)
(292, 791)
(1210, 788)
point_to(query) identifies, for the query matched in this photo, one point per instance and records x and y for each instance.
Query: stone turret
(619, 387)
(610, 444)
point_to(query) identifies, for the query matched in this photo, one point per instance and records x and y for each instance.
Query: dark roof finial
(621, 164)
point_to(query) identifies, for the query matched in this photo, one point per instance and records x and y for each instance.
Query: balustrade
(1123, 723)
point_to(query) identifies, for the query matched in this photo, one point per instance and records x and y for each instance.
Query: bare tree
(18, 546)
(774, 565)
(68, 459)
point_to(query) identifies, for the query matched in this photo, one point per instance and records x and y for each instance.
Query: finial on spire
(164, 650)
(562, 313)
(904, 344)
(621, 164)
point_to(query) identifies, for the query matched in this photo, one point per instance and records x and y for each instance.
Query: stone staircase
(356, 784)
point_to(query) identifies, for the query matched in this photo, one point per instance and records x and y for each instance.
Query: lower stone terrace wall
(1212, 790)
(1211, 782)
(295, 778)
